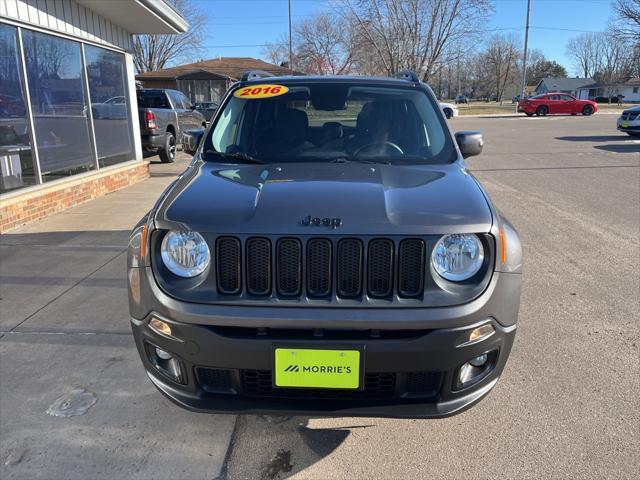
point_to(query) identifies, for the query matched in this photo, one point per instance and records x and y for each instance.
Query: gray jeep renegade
(327, 252)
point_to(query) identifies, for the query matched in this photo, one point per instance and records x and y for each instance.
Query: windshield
(330, 122)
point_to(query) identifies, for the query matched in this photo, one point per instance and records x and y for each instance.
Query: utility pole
(290, 43)
(524, 61)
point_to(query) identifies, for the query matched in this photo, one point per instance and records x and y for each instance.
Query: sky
(240, 28)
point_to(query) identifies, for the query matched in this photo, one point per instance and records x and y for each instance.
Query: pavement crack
(64, 292)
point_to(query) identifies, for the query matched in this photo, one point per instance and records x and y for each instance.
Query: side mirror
(191, 139)
(470, 143)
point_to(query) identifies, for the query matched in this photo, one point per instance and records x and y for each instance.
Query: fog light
(158, 326)
(167, 356)
(480, 333)
(478, 361)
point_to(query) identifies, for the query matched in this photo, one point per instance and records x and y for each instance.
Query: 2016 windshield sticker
(260, 91)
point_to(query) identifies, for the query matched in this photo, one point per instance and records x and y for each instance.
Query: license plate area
(337, 368)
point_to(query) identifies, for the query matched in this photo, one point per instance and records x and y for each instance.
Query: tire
(448, 113)
(528, 114)
(587, 110)
(542, 110)
(168, 152)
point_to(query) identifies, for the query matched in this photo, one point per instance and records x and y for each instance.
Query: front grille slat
(229, 265)
(380, 268)
(349, 268)
(258, 266)
(289, 270)
(319, 267)
(411, 260)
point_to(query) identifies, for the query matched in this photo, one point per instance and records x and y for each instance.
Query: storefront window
(16, 162)
(109, 105)
(60, 114)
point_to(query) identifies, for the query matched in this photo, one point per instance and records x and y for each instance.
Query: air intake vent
(349, 268)
(289, 257)
(258, 266)
(319, 267)
(228, 265)
(411, 268)
(380, 268)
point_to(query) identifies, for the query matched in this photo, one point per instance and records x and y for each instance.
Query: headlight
(185, 253)
(457, 257)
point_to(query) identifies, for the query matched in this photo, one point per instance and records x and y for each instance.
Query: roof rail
(253, 74)
(408, 75)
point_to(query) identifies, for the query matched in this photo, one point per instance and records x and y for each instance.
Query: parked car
(315, 263)
(115, 108)
(164, 116)
(461, 99)
(556, 103)
(629, 121)
(207, 109)
(449, 109)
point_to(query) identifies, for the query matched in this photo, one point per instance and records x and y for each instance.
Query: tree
(627, 22)
(586, 51)
(497, 67)
(540, 67)
(393, 35)
(156, 51)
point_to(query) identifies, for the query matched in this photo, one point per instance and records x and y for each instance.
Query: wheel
(542, 110)
(587, 110)
(528, 114)
(448, 113)
(168, 152)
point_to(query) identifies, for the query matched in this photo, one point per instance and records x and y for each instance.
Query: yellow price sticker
(260, 91)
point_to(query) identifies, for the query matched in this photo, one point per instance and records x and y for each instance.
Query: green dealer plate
(299, 367)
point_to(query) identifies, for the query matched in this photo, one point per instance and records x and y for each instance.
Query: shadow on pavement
(594, 138)
(624, 148)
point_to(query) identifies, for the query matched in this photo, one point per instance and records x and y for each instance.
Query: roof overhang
(140, 16)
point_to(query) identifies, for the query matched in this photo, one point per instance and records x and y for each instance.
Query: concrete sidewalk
(64, 325)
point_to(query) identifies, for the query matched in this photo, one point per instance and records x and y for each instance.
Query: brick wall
(21, 208)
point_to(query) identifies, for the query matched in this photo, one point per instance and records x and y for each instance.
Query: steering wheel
(384, 144)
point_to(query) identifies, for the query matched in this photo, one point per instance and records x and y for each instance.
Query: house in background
(630, 90)
(68, 112)
(570, 86)
(208, 80)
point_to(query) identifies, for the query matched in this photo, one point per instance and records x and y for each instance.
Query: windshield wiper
(359, 160)
(239, 156)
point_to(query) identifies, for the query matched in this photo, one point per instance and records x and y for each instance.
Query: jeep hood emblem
(332, 223)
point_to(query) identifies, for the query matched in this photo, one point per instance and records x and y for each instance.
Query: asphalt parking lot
(566, 406)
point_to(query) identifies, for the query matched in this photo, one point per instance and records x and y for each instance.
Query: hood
(366, 198)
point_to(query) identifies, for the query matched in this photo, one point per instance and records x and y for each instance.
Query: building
(68, 110)
(561, 84)
(206, 81)
(630, 90)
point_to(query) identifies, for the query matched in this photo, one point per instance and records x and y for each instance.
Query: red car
(556, 103)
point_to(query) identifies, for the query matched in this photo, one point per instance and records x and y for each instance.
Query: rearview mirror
(191, 139)
(470, 143)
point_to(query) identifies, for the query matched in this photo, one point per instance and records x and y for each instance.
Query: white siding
(629, 96)
(68, 17)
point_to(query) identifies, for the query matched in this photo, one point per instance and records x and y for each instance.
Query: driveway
(566, 406)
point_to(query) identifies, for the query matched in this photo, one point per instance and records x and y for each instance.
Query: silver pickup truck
(164, 116)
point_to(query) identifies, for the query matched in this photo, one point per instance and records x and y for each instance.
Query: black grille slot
(258, 266)
(258, 383)
(411, 268)
(425, 384)
(228, 265)
(349, 268)
(289, 257)
(214, 380)
(319, 267)
(380, 268)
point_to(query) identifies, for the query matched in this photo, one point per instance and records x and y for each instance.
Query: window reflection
(54, 73)
(109, 105)
(16, 163)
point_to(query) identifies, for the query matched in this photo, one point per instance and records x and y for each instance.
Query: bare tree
(278, 52)
(156, 51)
(627, 22)
(498, 64)
(324, 45)
(412, 34)
(586, 52)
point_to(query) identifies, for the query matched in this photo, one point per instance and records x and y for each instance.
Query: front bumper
(631, 126)
(411, 355)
